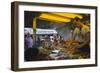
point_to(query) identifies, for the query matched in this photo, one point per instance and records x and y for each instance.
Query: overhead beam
(67, 15)
(53, 17)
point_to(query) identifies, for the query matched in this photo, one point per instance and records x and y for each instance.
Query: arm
(86, 41)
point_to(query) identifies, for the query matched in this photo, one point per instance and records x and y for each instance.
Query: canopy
(58, 16)
(55, 18)
(67, 15)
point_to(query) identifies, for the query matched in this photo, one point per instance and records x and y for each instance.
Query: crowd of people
(80, 33)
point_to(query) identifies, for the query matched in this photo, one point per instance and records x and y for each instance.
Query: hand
(78, 46)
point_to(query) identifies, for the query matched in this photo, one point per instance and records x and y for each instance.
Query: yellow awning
(55, 18)
(68, 15)
(58, 16)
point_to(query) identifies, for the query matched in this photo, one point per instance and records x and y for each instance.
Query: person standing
(81, 31)
(28, 41)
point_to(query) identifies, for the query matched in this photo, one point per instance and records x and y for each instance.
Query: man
(28, 41)
(82, 34)
(81, 31)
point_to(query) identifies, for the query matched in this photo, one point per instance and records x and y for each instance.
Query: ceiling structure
(58, 16)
